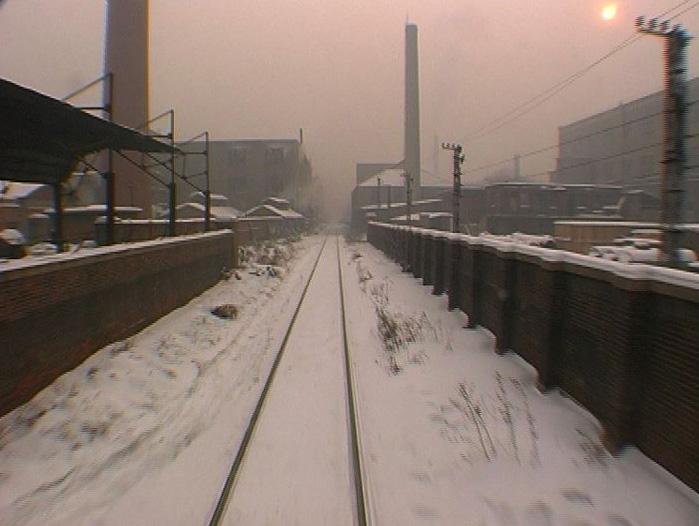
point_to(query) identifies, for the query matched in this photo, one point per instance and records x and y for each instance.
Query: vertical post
(378, 195)
(459, 158)
(172, 223)
(674, 131)
(456, 204)
(674, 158)
(172, 226)
(109, 177)
(408, 199)
(207, 204)
(408, 218)
(57, 217)
(111, 199)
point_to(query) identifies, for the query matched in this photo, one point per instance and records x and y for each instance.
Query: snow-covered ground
(455, 434)
(145, 430)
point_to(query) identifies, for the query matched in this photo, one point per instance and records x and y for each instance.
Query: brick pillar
(420, 254)
(454, 272)
(504, 342)
(427, 258)
(628, 364)
(471, 284)
(438, 268)
(554, 287)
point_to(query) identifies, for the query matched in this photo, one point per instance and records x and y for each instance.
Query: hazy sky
(265, 68)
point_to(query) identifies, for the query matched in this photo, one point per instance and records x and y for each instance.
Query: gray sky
(264, 68)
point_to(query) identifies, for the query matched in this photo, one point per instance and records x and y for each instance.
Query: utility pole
(459, 159)
(674, 133)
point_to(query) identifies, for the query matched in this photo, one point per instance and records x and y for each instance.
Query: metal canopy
(42, 138)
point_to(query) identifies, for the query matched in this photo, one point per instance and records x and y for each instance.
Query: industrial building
(624, 146)
(248, 171)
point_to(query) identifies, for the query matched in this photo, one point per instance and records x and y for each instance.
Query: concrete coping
(66, 258)
(635, 271)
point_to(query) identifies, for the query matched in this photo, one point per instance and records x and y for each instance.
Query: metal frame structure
(186, 178)
(42, 139)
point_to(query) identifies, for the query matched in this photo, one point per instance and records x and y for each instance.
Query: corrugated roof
(15, 190)
(274, 212)
(41, 138)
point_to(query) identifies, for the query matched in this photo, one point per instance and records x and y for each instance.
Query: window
(274, 156)
(238, 156)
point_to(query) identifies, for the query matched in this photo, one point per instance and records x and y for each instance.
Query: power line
(577, 139)
(565, 143)
(535, 102)
(600, 159)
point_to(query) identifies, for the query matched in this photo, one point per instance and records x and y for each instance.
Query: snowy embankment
(144, 430)
(454, 434)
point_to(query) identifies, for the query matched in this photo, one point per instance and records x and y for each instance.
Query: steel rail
(358, 475)
(235, 468)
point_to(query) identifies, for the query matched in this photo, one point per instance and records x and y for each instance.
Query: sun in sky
(609, 11)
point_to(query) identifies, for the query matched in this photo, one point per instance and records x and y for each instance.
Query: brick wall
(53, 316)
(622, 340)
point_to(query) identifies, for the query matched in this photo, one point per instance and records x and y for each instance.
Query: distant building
(275, 207)
(195, 208)
(387, 187)
(246, 171)
(22, 208)
(624, 146)
(505, 208)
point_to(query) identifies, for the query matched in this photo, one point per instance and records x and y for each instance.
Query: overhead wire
(538, 100)
(564, 143)
(547, 94)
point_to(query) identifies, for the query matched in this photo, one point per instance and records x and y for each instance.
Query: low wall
(131, 230)
(57, 311)
(623, 340)
(248, 230)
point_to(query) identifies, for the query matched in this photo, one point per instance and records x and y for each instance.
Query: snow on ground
(145, 430)
(454, 434)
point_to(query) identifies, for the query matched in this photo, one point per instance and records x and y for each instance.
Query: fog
(265, 68)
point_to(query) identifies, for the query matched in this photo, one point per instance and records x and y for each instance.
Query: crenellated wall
(623, 340)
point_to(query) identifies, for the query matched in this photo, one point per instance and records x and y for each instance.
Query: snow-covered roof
(611, 223)
(219, 212)
(100, 208)
(273, 211)
(399, 205)
(221, 199)
(13, 190)
(12, 236)
(277, 202)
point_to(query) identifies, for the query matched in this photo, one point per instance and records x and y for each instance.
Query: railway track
(296, 410)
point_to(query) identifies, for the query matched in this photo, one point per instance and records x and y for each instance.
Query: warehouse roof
(42, 138)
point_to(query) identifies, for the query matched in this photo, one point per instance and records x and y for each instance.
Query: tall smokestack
(126, 58)
(412, 109)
